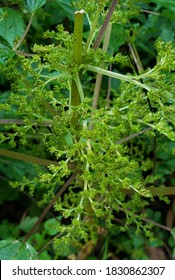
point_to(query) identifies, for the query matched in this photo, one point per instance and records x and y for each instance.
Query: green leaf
(51, 226)
(16, 250)
(4, 42)
(9, 194)
(8, 231)
(27, 223)
(169, 4)
(33, 5)
(5, 228)
(167, 33)
(118, 36)
(45, 256)
(68, 139)
(5, 53)
(11, 27)
(66, 7)
(58, 10)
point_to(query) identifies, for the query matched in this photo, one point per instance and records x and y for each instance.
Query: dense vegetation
(87, 140)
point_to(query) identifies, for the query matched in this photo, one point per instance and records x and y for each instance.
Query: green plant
(93, 151)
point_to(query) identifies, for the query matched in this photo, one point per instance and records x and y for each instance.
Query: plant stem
(25, 54)
(130, 79)
(147, 220)
(109, 89)
(21, 122)
(49, 206)
(105, 24)
(75, 98)
(31, 159)
(78, 34)
(97, 90)
(49, 107)
(60, 234)
(79, 87)
(76, 90)
(136, 57)
(156, 191)
(133, 135)
(77, 54)
(25, 33)
(150, 12)
(99, 76)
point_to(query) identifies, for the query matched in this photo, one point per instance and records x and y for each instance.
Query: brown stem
(105, 24)
(25, 33)
(24, 54)
(133, 135)
(21, 122)
(156, 224)
(136, 57)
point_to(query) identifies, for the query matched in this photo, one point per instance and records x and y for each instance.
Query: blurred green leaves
(169, 4)
(11, 27)
(34, 5)
(16, 250)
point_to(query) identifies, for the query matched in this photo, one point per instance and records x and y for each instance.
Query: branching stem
(115, 75)
(92, 31)
(25, 33)
(31, 159)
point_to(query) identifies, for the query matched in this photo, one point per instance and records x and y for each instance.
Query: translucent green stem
(25, 33)
(111, 74)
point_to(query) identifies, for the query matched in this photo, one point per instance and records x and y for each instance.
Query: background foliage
(108, 212)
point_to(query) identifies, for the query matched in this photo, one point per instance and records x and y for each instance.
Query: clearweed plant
(94, 149)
